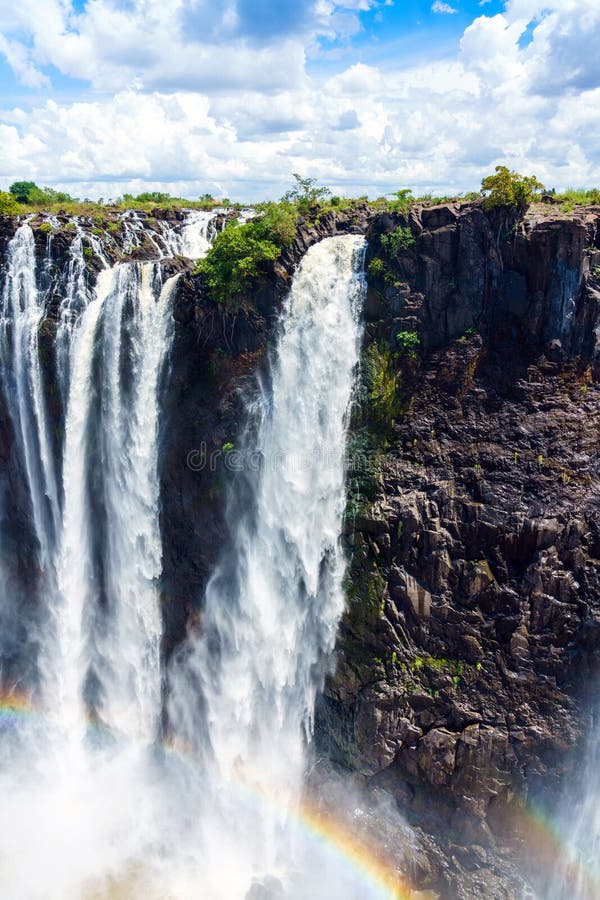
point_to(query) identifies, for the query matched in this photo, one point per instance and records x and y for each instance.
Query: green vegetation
(403, 202)
(505, 188)
(305, 194)
(376, 267)
(241, 252)
(573, 197)
(46, 228)
(439, 663)
(154, 197)
(383, 381)
(29, 193)
(149, 200)
(409, 342)
(366, 589)
(8, 204)
(400, 239)
(509, 189)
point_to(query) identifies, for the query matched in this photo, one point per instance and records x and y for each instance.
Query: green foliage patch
(29, 193)
(242, 252)
(9, 206)
(409, 342)
(383, 382)
(509, 189)
(400, 239)
(376, 267)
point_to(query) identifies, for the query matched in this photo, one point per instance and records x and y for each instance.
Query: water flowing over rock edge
(521, 363)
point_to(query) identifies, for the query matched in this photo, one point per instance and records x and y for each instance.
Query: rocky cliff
(473, 521)
(473, 528)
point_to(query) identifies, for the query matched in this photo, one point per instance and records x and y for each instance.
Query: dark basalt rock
(474, 580)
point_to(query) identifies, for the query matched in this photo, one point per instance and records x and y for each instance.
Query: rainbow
(543, 848)
(14, 704)
(319, 825)
(323, 828)
(534, 835)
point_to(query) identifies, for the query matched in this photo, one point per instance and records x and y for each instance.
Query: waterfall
(94, 493)
(101, 798)
(273, 605)
(566, 865)
(21, 315)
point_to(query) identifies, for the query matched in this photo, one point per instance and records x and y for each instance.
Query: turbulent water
(96, 800)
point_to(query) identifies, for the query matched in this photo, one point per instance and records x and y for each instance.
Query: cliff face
(473, 529)
(473, 524)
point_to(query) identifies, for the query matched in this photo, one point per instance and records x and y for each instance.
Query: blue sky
(103, 96)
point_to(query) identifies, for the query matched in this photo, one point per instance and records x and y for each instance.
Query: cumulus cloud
(182, 44)
(211, 106)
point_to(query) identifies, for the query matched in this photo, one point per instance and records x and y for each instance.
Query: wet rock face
(474, 575)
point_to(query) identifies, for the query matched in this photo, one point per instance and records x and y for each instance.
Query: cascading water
(566, 865)
(93, 804)
(273, 605)
(22, 312)
(130, 300)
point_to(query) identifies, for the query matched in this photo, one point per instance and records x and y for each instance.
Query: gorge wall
(467, 652)
(465, 655)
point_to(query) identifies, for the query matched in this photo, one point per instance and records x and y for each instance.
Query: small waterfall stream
(21, 314)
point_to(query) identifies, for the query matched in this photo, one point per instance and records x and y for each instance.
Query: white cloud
(179, 44)
(237, 119)
(444, 8)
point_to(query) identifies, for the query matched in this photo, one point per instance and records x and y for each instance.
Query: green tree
(152, 197)
(242, 252)
(237, 255)
(29, 192)
(21, 190)
(403, 202)
(305, 193)
(509, 189)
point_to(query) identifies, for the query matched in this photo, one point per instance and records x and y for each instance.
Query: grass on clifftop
(310, 200)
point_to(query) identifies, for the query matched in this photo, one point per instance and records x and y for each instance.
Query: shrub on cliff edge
(8, 205)
(241, 252)
(509, 189)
